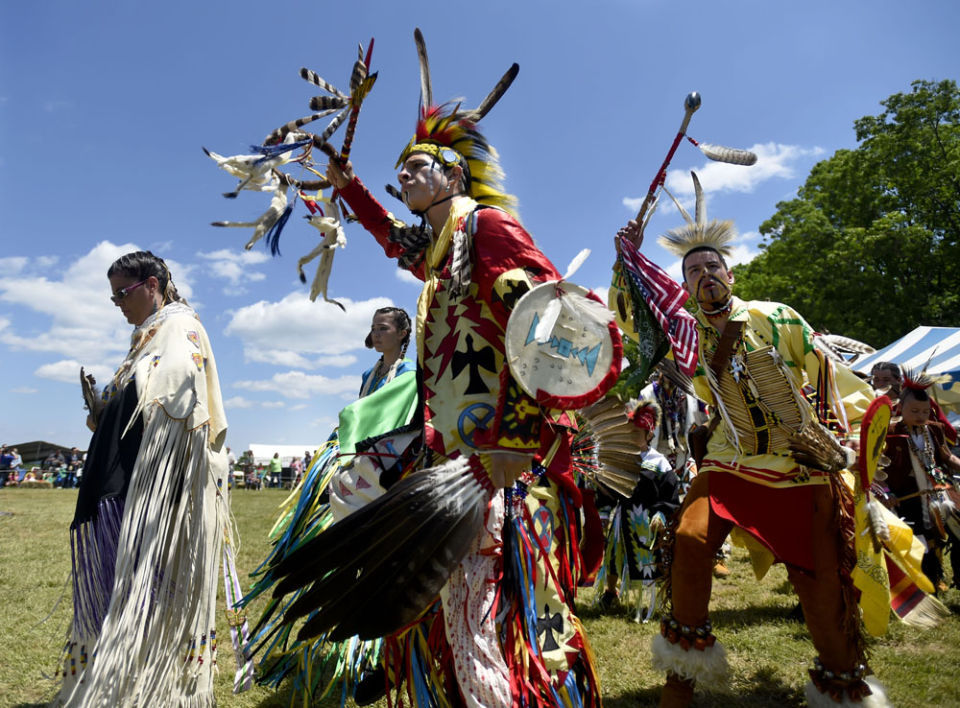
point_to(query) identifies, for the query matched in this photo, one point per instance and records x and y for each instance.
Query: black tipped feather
(496, 94)
(378, 569)
(426, 84)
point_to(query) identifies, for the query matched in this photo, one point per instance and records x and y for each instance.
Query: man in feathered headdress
(476, 261)
(919, 478)
(754, 358)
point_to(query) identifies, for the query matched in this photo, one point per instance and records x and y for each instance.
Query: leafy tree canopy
(870, 248)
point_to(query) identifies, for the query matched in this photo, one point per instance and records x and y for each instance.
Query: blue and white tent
(915, 349)
(940, 346)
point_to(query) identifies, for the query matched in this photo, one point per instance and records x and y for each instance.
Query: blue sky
(104, 107)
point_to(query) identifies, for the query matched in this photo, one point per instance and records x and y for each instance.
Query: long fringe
(157, 645)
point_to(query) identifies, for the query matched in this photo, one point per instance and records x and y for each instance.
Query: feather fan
(378, 569)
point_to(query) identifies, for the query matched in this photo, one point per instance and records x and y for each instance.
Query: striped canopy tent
(940, 346)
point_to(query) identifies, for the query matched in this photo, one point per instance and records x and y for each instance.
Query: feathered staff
(260, 171)
(715, 152)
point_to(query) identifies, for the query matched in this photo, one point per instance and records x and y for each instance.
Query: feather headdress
(449, 133)
(698, 234)
(913, 380)
(645, 414)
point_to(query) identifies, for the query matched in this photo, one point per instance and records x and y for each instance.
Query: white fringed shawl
(157, 645)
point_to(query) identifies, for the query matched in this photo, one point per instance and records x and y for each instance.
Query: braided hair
(143, 264)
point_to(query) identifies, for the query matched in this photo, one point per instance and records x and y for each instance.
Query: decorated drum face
(576, 361)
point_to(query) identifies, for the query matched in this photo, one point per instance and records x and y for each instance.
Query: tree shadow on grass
(745, 616)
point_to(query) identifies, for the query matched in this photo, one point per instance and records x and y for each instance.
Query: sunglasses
(123, 292)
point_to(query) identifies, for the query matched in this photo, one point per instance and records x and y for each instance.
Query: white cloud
(296, 407)
(68, 371)
(235, 267)
(12, 265)
(774, 161)
(288, 332)
(294, 360)
(273, 404)
(405, 276)
(24, 389)
(324, 422)
(296, 384)
(83, 323)
(237, 402)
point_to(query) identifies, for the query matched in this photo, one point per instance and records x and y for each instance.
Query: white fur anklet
(876, 699)
(708, 667)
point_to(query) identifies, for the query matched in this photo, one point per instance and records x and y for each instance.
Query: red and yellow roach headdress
(451, 136)
(645, 415)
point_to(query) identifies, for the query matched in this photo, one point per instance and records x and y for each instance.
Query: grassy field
(768, 653)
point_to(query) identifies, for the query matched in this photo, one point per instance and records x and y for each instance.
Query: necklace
(720, 311)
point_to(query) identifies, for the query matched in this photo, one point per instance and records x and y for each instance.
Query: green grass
(768, 653)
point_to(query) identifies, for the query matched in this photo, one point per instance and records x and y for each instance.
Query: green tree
(870, 248)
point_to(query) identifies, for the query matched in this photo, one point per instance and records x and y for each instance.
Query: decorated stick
(357, 94)
(690, 105)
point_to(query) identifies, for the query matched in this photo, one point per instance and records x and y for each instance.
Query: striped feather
(315, 79)
(358, 74)
(732, 156)
(281, 132)
(327, 103)
(333, 125)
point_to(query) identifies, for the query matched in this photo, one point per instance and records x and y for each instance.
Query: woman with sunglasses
(150, 519)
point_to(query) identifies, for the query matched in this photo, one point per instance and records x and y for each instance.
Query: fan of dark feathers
(378, 569)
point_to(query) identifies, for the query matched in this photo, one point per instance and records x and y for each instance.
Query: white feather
(576, 263)
(548, 320)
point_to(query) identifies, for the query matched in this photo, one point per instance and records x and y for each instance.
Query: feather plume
(548, 320)
(294, 125)
(701, 206)
(732, 156)
(394, 554)
(576, 263)
(495, 95)
(879, 531)
(814, 446)
(426, 85)
(327, 103)
(394, 192)
(698, 233)
(315, 79)
(333, 125)
(679, 206)
(358, 74)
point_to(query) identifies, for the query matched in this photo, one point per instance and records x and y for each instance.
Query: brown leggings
(700, 534)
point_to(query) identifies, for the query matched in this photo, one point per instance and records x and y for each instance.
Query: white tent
(263, 452)
(937, 348)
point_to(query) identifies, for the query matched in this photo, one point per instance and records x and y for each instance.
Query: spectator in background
(5, 459)
(296, 468)
(231, 465)
(276, 466)
(886, 375)
(307, 459)
(74, 463)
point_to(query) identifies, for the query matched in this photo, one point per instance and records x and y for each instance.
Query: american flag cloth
(664, 297)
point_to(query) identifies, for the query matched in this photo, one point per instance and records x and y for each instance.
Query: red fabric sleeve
(375, 219)
(501, 244)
